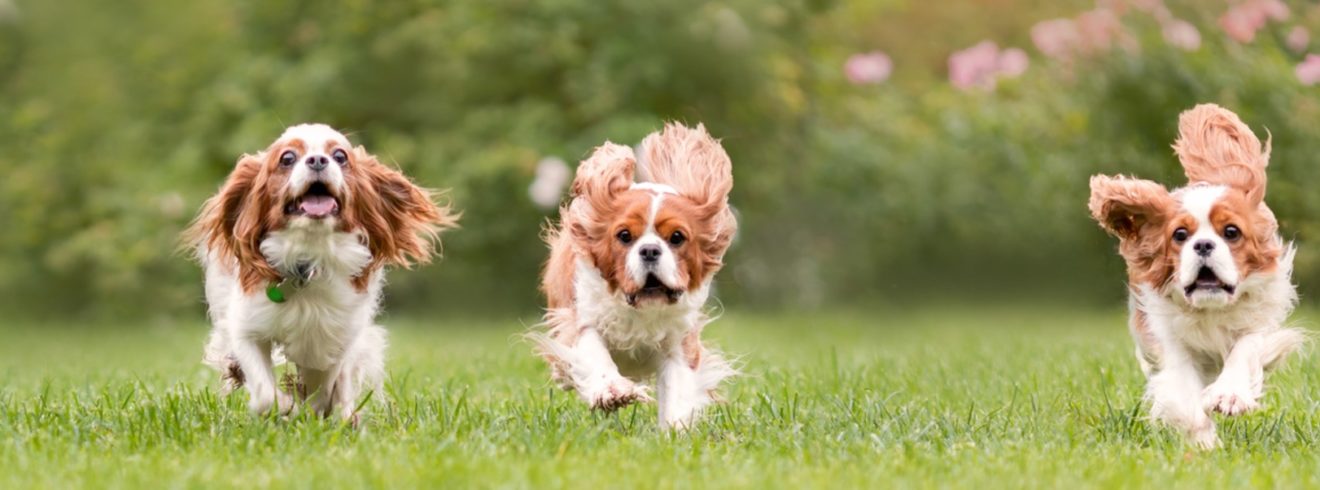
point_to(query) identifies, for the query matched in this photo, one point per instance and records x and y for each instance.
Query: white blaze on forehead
(658, 191)
(315, 136)
(666, 268)
(317, 140)
(1199, 200)
(654, 187)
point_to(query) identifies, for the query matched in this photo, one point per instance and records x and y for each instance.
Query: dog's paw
(267, 402)
(1204, 439)
(1228, 399)
(618, 393)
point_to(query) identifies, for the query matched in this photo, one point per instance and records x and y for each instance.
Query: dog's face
(309, 166)
(654, 242)
(1199, 245)
(1220, 240)
(312, 178)
(654, 251)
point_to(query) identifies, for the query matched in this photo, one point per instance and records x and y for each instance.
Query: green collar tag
(301, 276)
(275, 294)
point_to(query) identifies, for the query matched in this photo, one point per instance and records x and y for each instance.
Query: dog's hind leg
(687, 381)
(362, 368)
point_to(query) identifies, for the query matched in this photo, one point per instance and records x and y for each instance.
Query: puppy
(1208, 274)
(630, 268)
(294, 247)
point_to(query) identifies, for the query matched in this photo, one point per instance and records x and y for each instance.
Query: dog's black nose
(1204, 247)
(317, 162)
(650, 253)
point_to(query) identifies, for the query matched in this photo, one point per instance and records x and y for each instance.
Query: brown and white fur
(630, 269)
(311, 209)
(1208, 274)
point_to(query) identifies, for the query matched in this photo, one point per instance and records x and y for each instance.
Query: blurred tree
(117, 121)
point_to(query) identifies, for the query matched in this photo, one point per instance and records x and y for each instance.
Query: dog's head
(656, 240)
(1198, 244)
(311, 178)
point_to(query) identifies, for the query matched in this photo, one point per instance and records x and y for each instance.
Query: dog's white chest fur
(318, 320)
(1208, 334)
(625, 328)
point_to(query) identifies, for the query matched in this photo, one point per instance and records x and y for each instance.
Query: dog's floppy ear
(690, 161)
(1216, 147)
(402, 221)
(1124, 205)
(600, 178)
(696, 165)
(233, 222)
(605, 174)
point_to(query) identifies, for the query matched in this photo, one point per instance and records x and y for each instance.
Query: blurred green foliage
(116, 121)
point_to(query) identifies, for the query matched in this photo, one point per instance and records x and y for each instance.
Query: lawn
(928, 398)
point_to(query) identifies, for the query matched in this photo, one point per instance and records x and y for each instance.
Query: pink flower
(1242, 21)
(980, 66)
(1182, 35)
(1056, 38)
(868, 68)
(1013, 62)
(1298, 39)
(1100, 29)
(1093, 31)
(1276, 10)
(1308, 71)
(1241, 24)
(975, 67)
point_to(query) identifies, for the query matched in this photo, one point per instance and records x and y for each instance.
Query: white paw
(1203, 439)
(1228, 399)
(680, 423)
(265, 402)
(617, 393)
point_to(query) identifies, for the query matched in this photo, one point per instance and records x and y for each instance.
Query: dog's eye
(1180, 235)
(288, 158)
(340, 157)
(624, 236)
(677, 238)
(1231, 232)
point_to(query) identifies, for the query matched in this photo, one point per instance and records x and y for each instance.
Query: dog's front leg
(1175, 396)
(259, 375)
(687, 380)
(679, 392)
(1242, 380)
(596, 378)
(316, 389)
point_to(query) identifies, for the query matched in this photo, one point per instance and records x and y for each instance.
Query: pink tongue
(318, 206)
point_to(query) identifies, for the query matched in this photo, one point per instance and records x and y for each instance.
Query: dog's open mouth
(1206, 280)
(654, 289)
(316, 202)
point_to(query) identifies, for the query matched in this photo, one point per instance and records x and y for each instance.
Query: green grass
(930, 398)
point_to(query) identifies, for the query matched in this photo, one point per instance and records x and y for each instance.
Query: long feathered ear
(690, 161)
(605, 174)
(402, 221)
(1216, 147)
(696, 165)
(1124, 205)
(233, 222)
(598, 181)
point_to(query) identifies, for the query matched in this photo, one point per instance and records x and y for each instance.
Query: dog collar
(301, 276)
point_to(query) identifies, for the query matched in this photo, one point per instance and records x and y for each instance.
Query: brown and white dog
(294, 246)
(630, 269)
(1208, 274)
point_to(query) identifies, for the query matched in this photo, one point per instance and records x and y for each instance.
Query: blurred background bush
(884, 151)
